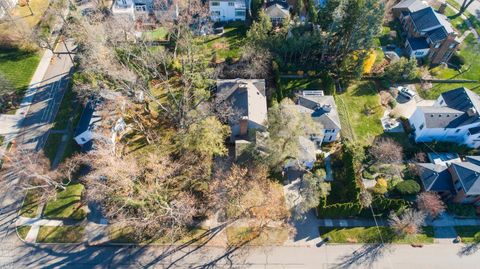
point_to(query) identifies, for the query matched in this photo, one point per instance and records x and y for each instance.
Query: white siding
(227, 10)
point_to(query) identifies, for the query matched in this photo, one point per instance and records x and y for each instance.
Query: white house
(228, 10)
(454, 117)
(246, 99)
(323, 110)
(136, 8)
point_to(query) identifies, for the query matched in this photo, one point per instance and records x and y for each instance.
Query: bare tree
(464, 6)
(430, 203)
(386, 150)
(409, 223)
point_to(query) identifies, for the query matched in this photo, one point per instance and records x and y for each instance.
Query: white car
(406, 92)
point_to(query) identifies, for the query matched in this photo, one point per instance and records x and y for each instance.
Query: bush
(373, 169)
(343, 210)
(392, 103)
(394, 182)
(367, 175)
(407, 187)
(462, 210)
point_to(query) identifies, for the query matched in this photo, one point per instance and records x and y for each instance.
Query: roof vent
(313, 93)
(242, 85)
(327, 107)
(472, 112)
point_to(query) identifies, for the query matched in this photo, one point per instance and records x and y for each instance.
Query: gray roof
(469, 175)
(455, 110)
(247, 97)
(410, 5)
(435, 25)
(473, 159)
(318, 107)
(418, 43)
(435, 177)
(277, 10)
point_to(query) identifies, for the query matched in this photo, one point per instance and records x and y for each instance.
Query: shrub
(367, 175)
(392, 103)
(373, 169)
(343, 210)
(393, 182)
(407, 187)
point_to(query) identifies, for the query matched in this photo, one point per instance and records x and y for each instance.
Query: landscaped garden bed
(469, 234)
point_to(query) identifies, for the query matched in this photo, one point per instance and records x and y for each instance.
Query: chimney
(242, 86)
(243, 126)
(442, 8)
(472, 112)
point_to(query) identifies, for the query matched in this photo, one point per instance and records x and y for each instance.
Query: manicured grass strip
(51, 146)
(67, 204)
(18, 66)
(270, 236)
(159, 34)
(227, 45)
(371, 235)
(30, 205)
(22, 231)
(61, 234)
(66, 109)
(469, 234)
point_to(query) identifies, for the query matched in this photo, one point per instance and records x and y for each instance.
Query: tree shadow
(468, 249)
(366, 255)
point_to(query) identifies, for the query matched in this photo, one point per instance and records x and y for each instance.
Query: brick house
(428, 33)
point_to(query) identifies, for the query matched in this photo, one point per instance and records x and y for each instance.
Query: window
(214, 4)
(231, 4)
(421, 126)
(83, 139)
(215, 13)
(239, 13)
(141, 8)
(419, 53)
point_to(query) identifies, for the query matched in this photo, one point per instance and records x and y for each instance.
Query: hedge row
(381, 206)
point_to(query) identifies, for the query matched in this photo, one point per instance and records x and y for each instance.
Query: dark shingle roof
(469, 175)
(425, 19)
(315, 105)
(277, 10)
(435, 177)
(411, 5)
(418, 43)
(437, 35)
(473, 159)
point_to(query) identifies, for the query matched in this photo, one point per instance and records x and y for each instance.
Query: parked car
(406, 92)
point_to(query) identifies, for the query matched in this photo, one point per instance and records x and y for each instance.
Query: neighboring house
(228, 10)
(323, 110)
(307, 155)
(458, 181)
(6, 6)
(135, 9)
(454, 117)
(246, 98)
(429, 34)
(278, 11)
(84, 133)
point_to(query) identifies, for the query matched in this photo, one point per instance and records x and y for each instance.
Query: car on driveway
(406, 92)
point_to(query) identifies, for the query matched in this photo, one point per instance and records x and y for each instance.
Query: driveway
(406, 107)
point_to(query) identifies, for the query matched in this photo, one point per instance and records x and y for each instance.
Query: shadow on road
(366, 256)
(469, 249)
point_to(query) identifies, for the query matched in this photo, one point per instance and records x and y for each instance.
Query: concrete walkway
(328, 167)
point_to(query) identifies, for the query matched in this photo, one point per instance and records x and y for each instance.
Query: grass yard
(225, 46)
(68, 106)
(289, 85)
(469, 234)
(67, 205)
(470, 50)
(30, 205)
(51, 146)
(370, 235)
(457, 22)
(472, 18)
(270, 236)
(18, 66)
(61, 234)
(159, 34)
(353, 106)
(125, 235)
(22, 231)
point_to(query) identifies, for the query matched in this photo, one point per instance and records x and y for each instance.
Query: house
(248, 103)
(228, 10)
(278, 11)
(408, 6)
(428, 33)
(458, 181)
(323, 110)
(453, 117)
(84, 133)
(135, 9)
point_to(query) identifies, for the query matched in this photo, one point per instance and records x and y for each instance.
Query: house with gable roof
(454, 117)
(429, 34)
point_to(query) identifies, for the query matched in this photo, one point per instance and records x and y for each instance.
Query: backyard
(360, 112)
(226, 46)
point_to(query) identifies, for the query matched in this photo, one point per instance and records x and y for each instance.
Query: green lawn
(18, 66)
(365, 235)
(288, 85)
(68, 106)
(474, 20)
(225, 46)
(22, 231)
(67, 204)
(30, 205)
(51, 146)
(470, 50)
(159, 34)
(125, 235)
(360, 112)
(270, 236)
(469, 234)
(61, 234)
(457, 22)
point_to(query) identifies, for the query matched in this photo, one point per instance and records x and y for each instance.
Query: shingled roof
(468, 174)
(410, 5)
(436, 26)
(435, 177)
(322, 109)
